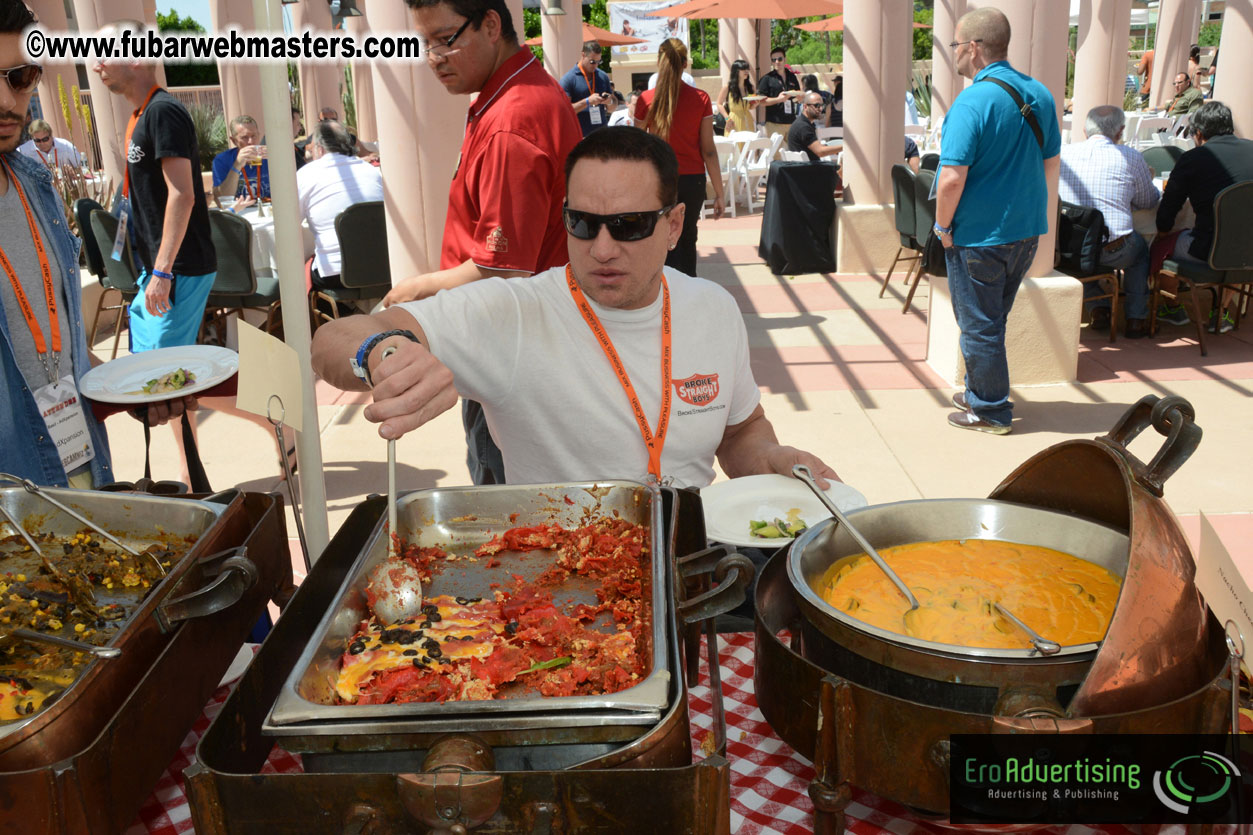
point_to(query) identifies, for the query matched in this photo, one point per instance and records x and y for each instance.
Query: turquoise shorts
(181, 325)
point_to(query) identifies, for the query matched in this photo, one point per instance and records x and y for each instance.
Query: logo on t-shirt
(496, 241)
(697, 390)
(134, 153)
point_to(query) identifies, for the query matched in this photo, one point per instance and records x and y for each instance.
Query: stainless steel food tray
(459, 519)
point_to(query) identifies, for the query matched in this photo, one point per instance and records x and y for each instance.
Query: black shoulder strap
(1023, 108)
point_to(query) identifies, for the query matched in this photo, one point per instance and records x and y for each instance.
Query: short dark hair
(14, 16)
(592, 48)
(332, 137)
(475, 11)
(1212, 119)
(633, 145)
(779, 50)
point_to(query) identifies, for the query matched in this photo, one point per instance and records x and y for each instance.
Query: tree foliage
(185, 75)
(812, 47)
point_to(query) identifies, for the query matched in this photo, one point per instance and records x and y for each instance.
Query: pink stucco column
(363, 82)
(563, 42)
(111, 112)
(420, 128)
(1100, 60)
(51, 16)
(876, 67)
(945, 82)
(241, 83)
(1175, 22)
(150, 20)
(746, 41)
(319, 80)
(1235, 67)
(761, 63)
(728, 45)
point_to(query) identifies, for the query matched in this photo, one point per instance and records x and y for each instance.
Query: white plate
(729, 505)
(117, 381)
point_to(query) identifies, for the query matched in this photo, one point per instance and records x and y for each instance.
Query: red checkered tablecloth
(769, 781)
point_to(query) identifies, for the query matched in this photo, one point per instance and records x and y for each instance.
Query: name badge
(62, 411)
(787, 106)
(119, 240)
(593, 113)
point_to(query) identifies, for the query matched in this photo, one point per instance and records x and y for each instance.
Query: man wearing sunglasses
(1001, 148)
(504, 204)
(51, 151)
(608, 367)
(48, 436)
(803, 135)
(782, 90)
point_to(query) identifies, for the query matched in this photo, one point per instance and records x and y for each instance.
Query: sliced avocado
(769, 532)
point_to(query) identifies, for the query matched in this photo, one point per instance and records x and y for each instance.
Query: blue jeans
(1133, 258)
(483, 457)
(983, 281)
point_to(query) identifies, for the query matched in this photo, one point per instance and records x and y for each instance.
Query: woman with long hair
(683, 116)
(740, 115)
(835, 115)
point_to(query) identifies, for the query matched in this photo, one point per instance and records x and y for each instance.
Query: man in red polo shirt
(504, 205)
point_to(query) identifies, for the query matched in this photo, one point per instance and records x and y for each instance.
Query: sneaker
(959, 400)
(1173, 315)
(1224, 326)
(969, 420)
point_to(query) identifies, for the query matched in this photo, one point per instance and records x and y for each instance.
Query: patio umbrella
(756, 9)
(836, 24)
(592, 33)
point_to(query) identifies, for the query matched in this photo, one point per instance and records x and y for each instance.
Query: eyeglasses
(627, 226)
(955, 44)
(23, 78)
(441, 49)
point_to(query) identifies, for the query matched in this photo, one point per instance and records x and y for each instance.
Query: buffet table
(769, 781)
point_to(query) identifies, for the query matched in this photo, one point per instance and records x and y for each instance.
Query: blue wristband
(160, 274)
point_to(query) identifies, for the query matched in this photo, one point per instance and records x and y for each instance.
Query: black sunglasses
(22, 78)
(627, 226)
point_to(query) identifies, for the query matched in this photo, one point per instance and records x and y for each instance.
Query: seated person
(52, 151)
(803, 135)
(912, 158)
(234, 170)
(499, 341)
(1187, 98)
(297, 131)
(331, 114)
(330, 182)
(622, 115)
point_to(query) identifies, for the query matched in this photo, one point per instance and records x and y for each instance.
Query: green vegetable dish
(178, 379)
(778, 528)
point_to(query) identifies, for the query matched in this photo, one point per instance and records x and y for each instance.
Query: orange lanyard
(591, 82)
(248, 185)
(130, 131)
(654, 443)
(56, 157)
(50, 292)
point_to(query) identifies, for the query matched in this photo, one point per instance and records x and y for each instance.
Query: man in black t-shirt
(781, 88)
(803, 136)
(165, 207)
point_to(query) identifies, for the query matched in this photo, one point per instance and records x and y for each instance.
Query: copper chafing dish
(70, 720)
(860, 702)
(445, 773)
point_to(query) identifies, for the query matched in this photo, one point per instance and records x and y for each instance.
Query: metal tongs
(35, 490)
(1043, 645)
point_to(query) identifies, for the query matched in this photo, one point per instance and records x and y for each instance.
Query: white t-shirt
(553, 403)
(687, 79)
(326, 187)
(63, 153)
(621, 116)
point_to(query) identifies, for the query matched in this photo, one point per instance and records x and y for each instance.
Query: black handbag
(933, 260)
(1080, 239)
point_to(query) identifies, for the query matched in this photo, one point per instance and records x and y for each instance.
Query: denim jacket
(25, 447)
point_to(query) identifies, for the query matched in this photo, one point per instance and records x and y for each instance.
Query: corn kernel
(54, 624)
(78, 627)
(21, 578)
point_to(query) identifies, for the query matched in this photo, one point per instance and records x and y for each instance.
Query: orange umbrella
(836, 24)
(592, 33)
(757, 9)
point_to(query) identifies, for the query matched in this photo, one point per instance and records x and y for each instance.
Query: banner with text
(632, 19)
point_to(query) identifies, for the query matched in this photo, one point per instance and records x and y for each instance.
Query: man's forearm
(178, 208)
(948, 194)
(746, 446)
(229, 185)
(337, 341)
(464, 273)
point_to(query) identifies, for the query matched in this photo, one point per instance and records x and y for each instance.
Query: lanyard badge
(51, 364)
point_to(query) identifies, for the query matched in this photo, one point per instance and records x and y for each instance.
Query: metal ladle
(57, 640)
(1042, 644)
(399, 595)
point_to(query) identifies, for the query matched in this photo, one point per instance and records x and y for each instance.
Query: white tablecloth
(264, 256)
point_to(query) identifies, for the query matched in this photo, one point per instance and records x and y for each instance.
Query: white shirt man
(52, 151)
(1099, 173)
(333, 181)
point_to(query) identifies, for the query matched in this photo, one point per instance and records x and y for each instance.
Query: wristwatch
(361, 362)
(944, 230)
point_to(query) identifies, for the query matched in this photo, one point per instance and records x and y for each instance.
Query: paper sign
(267, 367)
(1225, 586)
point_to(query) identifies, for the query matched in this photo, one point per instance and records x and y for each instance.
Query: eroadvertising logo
(1100, 778)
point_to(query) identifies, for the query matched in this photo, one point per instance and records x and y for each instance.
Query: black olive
(426, 624)
(461, 601)
(406, 637)
(419, 662)
(356, 648)
(511, 627)
(430, 609)
(410, 652)
(435, 617)
(434, 652)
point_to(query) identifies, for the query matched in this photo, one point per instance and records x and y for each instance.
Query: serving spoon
(58, 641)
(1042, 645)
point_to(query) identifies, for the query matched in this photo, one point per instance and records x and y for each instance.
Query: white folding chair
(1130, 128)
(1180, 127)
(755, 166)
(728, 164)
(793, 156)
(1148, 128)
(830, 133)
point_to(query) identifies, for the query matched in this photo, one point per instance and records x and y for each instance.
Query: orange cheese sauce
(958, 583)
